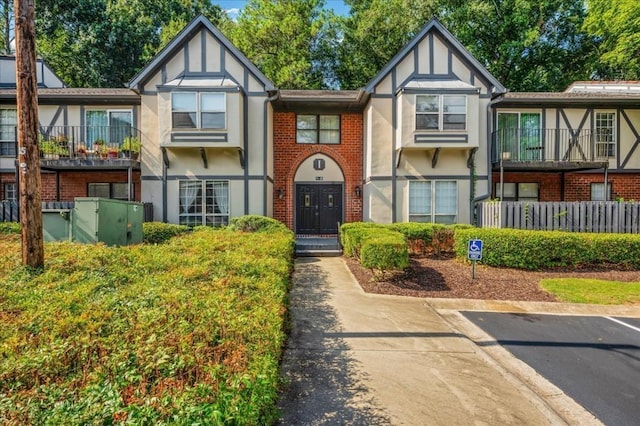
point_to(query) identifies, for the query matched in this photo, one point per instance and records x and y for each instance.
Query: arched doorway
(319, 196)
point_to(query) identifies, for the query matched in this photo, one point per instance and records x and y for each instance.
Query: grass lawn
(580, 290)
(185, 332)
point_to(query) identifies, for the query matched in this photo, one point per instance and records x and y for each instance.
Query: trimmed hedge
(160, 232)
(377, 246)
(385, 252)
(257, 223)
(10, 228)
(525, 249)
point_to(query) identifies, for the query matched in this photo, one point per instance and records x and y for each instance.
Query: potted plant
(81, 151)
(49, 149)
(131, 147)
(112, 152)
(99, 148)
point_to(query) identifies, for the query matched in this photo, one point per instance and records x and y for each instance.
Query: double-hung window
(441, 112)
(204, 202)
(10, 193)
(318, 129)
(598, 192)
(605, 134)
(8, 123)
(203, 110)
(433, 201)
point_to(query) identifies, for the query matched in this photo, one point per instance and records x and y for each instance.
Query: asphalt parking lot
(593, 359)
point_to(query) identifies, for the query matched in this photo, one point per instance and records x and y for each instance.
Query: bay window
(192, 110)
(441, 112)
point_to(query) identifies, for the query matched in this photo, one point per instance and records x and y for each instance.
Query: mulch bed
(447, 277)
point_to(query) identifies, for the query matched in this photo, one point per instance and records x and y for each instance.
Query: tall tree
(281, 37)
(526, 44)
(103, 43)
(6, 26)
(616, 26)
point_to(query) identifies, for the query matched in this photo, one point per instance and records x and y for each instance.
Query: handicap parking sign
(474, 251)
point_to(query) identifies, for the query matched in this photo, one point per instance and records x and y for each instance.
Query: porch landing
(317, 245)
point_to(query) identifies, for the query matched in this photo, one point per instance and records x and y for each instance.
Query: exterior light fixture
(280, 193)
(358, 191)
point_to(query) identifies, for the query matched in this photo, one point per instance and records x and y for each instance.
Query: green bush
(186, 332)
(10, 228)
(256, 223)
(525, 249)
(159, 232)
(352, 235)
(385, 252)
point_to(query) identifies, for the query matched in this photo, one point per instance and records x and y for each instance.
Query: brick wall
(74, 184)
(577, 186)
(289, 155)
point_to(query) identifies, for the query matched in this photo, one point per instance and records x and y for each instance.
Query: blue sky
(234, 6)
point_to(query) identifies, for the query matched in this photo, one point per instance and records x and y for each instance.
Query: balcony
(84, 147)
(550, 149)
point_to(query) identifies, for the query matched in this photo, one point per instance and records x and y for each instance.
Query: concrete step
(318, 246)
(318, 253)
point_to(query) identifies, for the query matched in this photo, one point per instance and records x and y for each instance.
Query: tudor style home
(565, 146)
(206, 112)
(426, 132)
(430, 136)
(83, 133)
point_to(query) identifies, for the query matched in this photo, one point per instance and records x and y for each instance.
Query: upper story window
(191, 110)
(605, 134)
(441, 112)
(8, 123)
(519, 136)
(109, 126)
(318, 129)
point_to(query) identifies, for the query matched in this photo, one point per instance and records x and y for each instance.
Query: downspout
(265, 149)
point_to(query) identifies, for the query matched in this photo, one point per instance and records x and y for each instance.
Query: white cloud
(233, 13)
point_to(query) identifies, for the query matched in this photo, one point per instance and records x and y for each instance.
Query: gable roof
(174, 45)
(435, 25)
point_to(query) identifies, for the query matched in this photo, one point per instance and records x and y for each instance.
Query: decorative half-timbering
(206, 111)
(426, 132)
(565, 146)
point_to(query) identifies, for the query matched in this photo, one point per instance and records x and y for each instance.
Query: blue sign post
(474, 253)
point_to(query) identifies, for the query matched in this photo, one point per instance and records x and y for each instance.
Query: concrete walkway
(355, 358)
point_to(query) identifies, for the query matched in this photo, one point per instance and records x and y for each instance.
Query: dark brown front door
(318, 208)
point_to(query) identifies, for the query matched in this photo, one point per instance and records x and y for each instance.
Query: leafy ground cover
(186, 332)
(580, 290)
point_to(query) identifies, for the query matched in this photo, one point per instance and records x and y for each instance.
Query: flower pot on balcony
(506, 155)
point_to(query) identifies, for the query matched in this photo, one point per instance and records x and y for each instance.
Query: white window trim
(199, 111)
(432, 214)
(440, 113)
(611, 146)
(13, 191)
(319, 129)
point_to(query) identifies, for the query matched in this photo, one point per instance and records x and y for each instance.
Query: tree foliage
(525, 44)
(616, 26)
(103, 43)
(281, 37)
(6, 26)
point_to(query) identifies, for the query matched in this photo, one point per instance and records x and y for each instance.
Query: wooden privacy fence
(579, 216)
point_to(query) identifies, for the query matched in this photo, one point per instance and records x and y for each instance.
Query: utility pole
(28, 153)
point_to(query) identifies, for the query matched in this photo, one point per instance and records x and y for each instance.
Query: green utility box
(113, 222)
(56, 224)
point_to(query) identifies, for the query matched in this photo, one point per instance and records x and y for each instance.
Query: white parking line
(624, 323)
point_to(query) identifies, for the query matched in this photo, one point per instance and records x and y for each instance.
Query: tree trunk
(28, 155)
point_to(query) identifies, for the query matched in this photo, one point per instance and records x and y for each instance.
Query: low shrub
(353, 234)
(188, 332)
(386, 252)
(525, 249)
(419, 235)
(159, 232)
(10, 228)
(256, 223)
